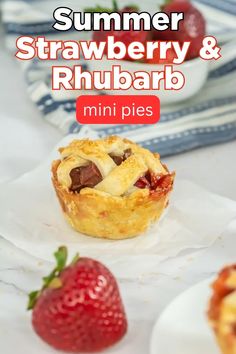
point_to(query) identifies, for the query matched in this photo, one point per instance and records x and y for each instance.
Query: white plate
(183, 326)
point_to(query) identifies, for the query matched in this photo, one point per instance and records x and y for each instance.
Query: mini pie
(222, 309)
(111, 188)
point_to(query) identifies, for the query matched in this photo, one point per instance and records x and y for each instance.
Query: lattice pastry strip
(116, 180)
(153, 163)
(66, 166)
(122, 177)
(89, 153)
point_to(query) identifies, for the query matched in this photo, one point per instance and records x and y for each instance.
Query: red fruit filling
(85, 176)
(90, 176)
(155, 182)
(220, 291)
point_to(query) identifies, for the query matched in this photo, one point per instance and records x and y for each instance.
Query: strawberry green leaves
(114, 8)
(52, 280)
(61, 256)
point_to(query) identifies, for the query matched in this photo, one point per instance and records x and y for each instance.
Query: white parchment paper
(31, 219)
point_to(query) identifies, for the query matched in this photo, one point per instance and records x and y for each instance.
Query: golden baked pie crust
(224, 325)
(107, 211)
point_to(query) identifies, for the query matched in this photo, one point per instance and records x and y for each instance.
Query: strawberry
(192, 28)
(100, 36)
(126, 37)
(171, 55)
(79, 308)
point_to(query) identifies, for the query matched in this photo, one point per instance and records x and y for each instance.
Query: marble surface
(144, 298)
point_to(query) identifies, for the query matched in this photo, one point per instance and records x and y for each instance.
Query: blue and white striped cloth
(208, 118)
